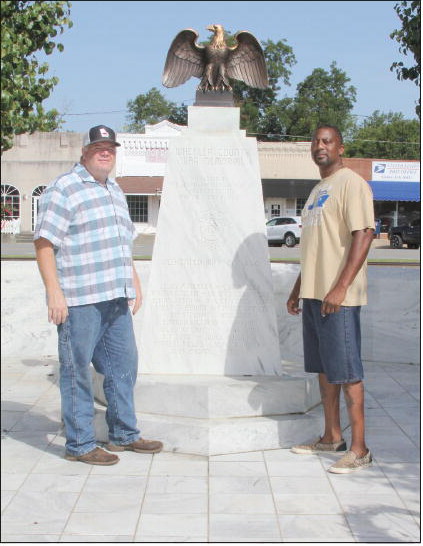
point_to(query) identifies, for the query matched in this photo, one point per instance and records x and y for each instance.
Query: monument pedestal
(211, 415)
(211, 378)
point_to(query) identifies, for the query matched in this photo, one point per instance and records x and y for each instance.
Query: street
(143, 248)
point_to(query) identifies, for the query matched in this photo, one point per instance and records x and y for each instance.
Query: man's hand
(137, 302)
(293, 305)
(57, 307)
(333, 300)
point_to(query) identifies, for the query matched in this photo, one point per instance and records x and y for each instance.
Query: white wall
(390, 323)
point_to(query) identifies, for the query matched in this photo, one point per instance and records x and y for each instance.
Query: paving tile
(239, 484)
(95, 538)
(249, 456)
(107, 502)
(30, 538)
(368, 481)
(241, 504)
(170, 539)
(311, 468)
(318, 528)
(177, 484)
(298, 485)
(6, 497)
(50, 483)
(102, 523)
(307, 504)
(171, 525)
(242, 468)
(175, 503)
(12, 482)
(132, 486)
(392, 524)
(32, 513)
(235, 527)
(162, 467)
(398, 470)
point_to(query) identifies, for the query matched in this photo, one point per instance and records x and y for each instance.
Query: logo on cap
(104, 133)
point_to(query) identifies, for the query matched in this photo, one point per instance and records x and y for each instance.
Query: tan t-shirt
(337, 206)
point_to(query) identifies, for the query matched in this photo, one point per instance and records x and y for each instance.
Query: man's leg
(116, 358)
(354, 398)
(76, 344)
(330, 395)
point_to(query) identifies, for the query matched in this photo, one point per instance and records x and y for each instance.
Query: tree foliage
(387, 136)
(254, 103)
(323, 97)
(409, 40)
(152, 107)
(28, 27)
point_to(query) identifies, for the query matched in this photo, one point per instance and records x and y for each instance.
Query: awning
(395, 191)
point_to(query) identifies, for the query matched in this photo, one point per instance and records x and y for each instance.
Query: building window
(138, 207)
(35, 203)
(300, 205)
(275, 210)
(10, 201)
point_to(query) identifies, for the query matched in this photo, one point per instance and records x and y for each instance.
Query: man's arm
(56, 302)
(136, 303)
(293, 303)
(361, 241)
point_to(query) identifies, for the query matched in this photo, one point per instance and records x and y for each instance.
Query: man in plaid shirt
(83, 241)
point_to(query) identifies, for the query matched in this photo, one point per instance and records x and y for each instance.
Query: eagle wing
(184, 59)
(246, 61)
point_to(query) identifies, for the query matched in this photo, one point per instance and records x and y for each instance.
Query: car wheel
(396, 241)
(290, 240)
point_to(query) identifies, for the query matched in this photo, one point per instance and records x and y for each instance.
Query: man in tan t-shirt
(338, 225)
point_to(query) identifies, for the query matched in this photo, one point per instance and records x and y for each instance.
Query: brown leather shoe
(139, 446)
(96, 456)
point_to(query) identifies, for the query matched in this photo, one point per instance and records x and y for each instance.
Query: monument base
(214, 98)
(212, 415)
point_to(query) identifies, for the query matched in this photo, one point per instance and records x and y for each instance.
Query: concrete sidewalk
(261, 496)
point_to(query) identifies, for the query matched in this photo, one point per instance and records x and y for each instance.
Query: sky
(116, 50)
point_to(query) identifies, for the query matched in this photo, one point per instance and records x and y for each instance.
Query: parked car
(284, 230)
(408, 234)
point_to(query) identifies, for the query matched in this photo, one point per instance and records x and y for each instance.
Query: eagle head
(215, 28)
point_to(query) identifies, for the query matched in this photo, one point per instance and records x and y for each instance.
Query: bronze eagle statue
(215, 62)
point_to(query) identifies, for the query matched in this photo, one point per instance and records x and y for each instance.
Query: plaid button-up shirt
(92, 234)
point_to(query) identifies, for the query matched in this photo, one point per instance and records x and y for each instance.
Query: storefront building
(287, 172)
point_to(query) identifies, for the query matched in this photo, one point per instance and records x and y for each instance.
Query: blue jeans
(101, 333)
(332, 344)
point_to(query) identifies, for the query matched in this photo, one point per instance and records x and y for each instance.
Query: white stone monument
(211, 379)
(210, 308)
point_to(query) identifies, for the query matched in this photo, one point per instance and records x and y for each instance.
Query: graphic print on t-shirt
(312, 213)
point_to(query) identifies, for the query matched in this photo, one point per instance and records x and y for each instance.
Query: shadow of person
(253, 349)
(253, 344)
(24, 423)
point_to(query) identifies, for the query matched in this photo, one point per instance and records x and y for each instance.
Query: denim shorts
(332, 344)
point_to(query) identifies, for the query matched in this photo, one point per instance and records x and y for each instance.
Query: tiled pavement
(262, 496)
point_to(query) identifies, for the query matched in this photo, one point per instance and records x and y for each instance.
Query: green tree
(385, 136)
(409, 41)
(255, 102)
(152, 107)
(28, 27)
(323, 97)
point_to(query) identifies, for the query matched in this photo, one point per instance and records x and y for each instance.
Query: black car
(408, 234)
